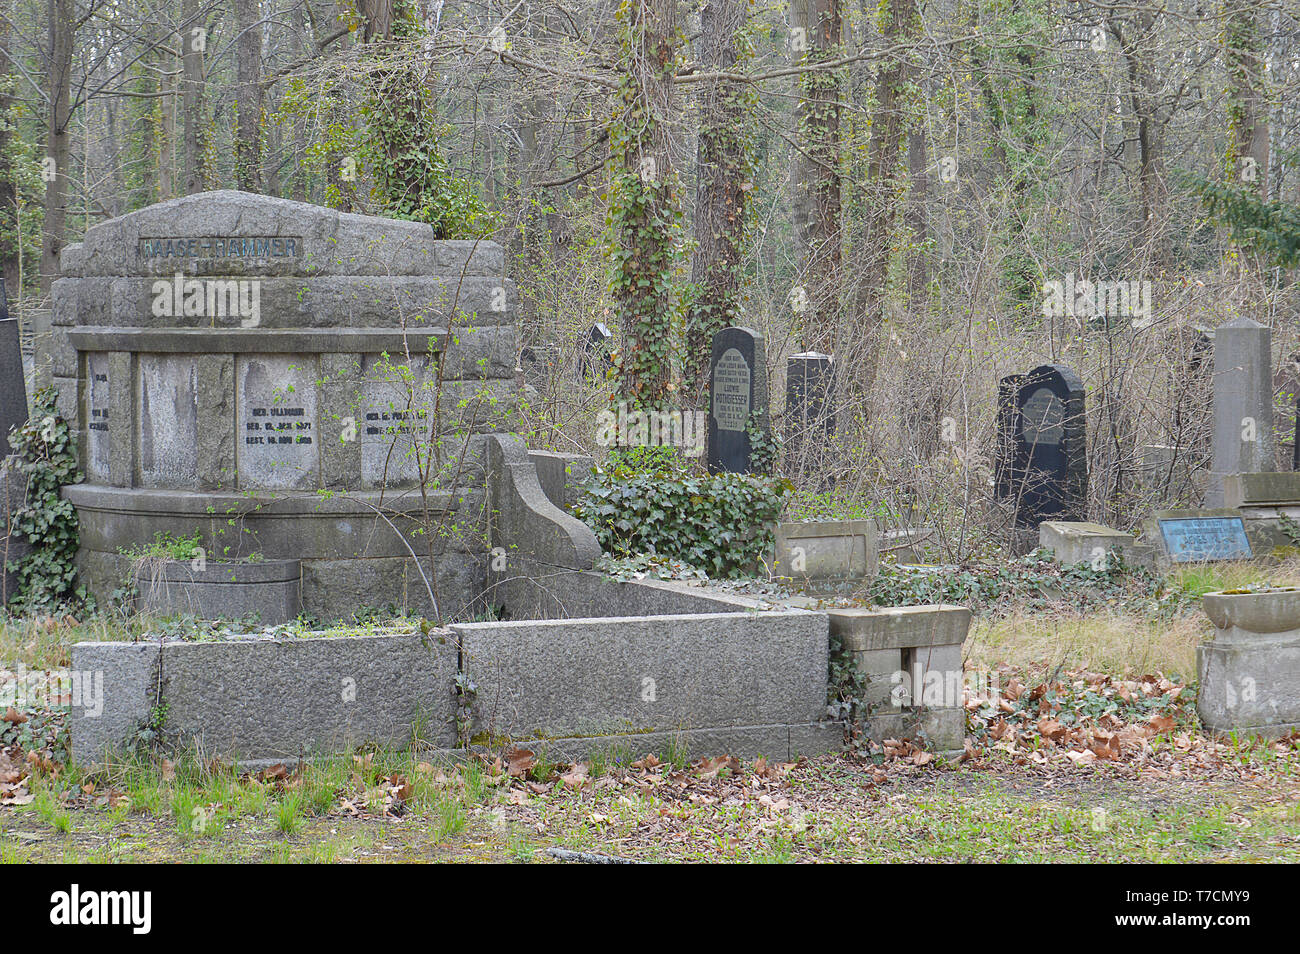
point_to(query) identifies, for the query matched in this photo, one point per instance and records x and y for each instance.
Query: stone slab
(1074, 542)
(900, 627)
(1261, 489)
(827, 550)
(278, 698)
(643, 674)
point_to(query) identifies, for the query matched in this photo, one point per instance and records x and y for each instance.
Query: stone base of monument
(1250, 673)
(1074, 542)
(912, 658)
(825, 555)
(269, 591)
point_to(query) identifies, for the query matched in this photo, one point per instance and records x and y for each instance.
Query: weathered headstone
(13, 390)
(595, 362)
(737, 396)
(809, 405)
(1044, 437)
(1243, 404)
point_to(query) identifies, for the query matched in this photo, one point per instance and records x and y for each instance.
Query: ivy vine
(47, 458)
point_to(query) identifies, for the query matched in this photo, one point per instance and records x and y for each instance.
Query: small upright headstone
(596, 346)
(737, 396)
(13, 390)
(1044, 433)
(1243, 404)
(809, 402)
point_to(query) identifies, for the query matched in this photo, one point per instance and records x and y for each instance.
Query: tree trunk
(885, 181)
(62, 27)
(248, 96)
(817, 178)
(10, 233)
(721, 193)
(645, 232)
(192, 47)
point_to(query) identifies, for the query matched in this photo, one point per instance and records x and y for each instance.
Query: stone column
(1243, 404)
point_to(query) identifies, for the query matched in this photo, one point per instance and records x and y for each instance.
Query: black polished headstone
(737, 395)
(13, 390)
(1043, 445)
(596, 345)
(809, 405)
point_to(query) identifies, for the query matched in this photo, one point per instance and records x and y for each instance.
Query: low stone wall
(269, 699)
(646, 673)
(755, 681)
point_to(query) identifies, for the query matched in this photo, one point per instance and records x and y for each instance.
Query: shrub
(646, 502)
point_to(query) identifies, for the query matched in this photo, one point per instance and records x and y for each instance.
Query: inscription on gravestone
(275, 423)
(397, 420)
(731, 391)
(221, 246)
(737, 397)
(1195, 539)
(98, 438)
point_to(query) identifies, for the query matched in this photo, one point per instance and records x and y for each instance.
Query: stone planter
(822, 554)
(1250, 672)
(221, 590)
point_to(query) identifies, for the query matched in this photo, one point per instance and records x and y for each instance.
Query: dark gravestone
(595, 362)
(737, 394)
(13, 392)
(809, 407)
(1043, 435)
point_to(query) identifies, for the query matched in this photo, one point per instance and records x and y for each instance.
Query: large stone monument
(283, 378)
(1243, 404)
(1043, 445)
(737, 398)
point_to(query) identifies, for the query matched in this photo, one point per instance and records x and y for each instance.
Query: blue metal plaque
(1189, 539)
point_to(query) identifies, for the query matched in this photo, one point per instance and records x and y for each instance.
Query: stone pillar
(1243, 403)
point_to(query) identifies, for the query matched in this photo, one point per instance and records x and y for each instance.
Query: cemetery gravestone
(1046, 474)
(596, 362)
(229, 358)
(737, 396)
(809, 404)
(1243, 404)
